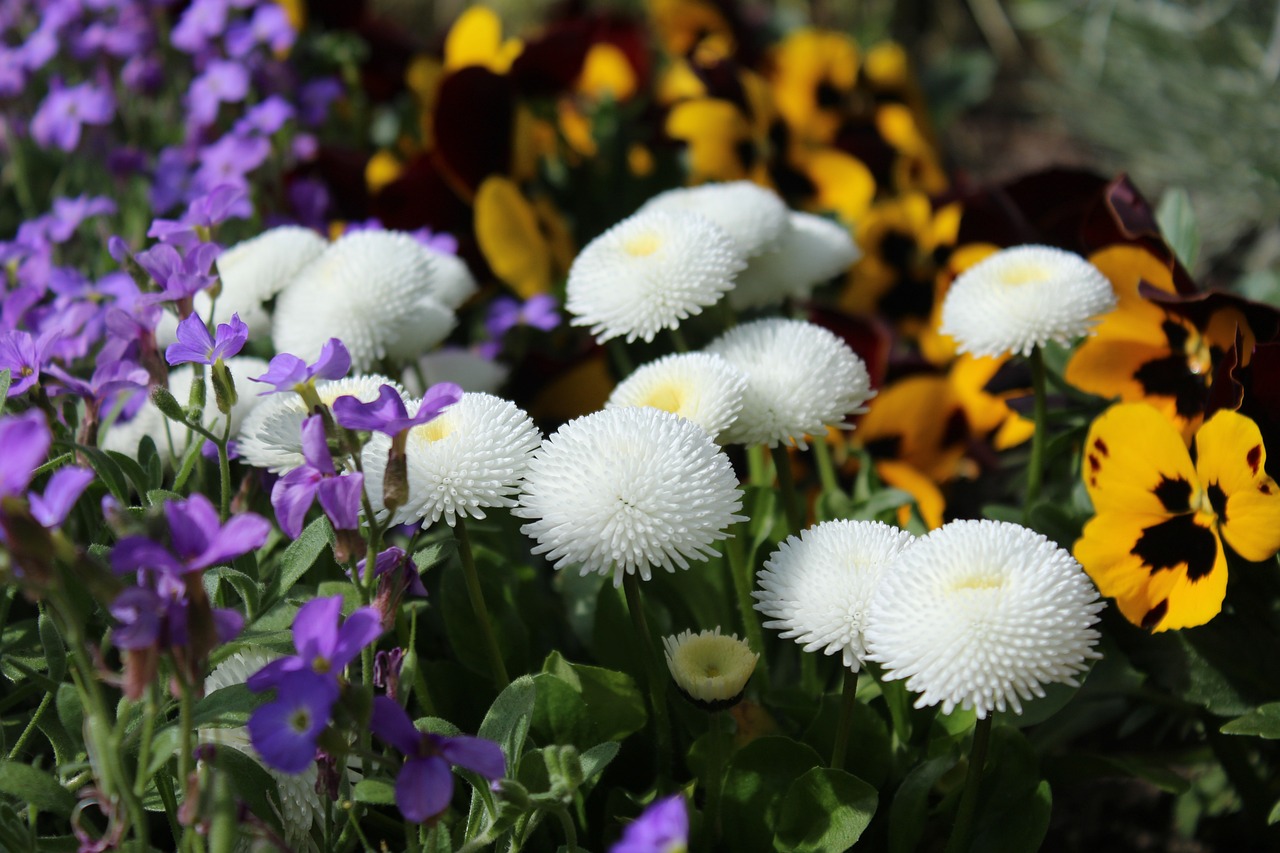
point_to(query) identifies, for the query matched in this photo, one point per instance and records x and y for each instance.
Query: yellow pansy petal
(927, 495)
(845, 185)
(714, 130)
(508, 234)
(1135, 462)
(1231, 460)
(382, 169)
(916, 420)
(1014, 431)
(1107, 366)
(607, 73)
(476, 39)
(1134, 318)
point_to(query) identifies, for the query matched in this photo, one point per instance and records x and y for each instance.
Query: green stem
(186, 750)
(715, 779)
(31, 725)
(787, 489)
(476, 593)
(144, 745)
(848, 700)
(653, 674)
(1035, 471)
(960, 832)
(678, 340)
(740, 570)
(826, 468)
(224, 472)
(570, 831)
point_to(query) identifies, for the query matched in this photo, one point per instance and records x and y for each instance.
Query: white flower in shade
(801, 378)
(123, 437)
(813, 249)
(365, 289)
(470, 457)
(451, 281)
(710, 668)
(699, 386)
(422, 328)
(753, 216)
(254, 271)
(817, 587)
(300, 807)
(623, 490)
(982, 615)
(271, 435)
(649, 272)
(468, 369)
(1024, 297)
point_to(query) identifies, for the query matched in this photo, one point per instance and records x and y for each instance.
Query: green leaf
(559, 715)
(6, 378)
(245, 587)
(460, 623)
(149, 459)
(825, 809)
(227, 707)
(251, 782)
(378, 792)
(132, 470)
(910, 806)
(614, 704)
(163, 745)
(1263, 722)
(1013, 803)
(756, 781)
(595, 759)
(188, 465)
(507, 724)
(300, 556)
(1177, 220)
(1274, 816)
(55, 650)
(108, 472)
(434, 554)
(1020, 828)
(36, 787)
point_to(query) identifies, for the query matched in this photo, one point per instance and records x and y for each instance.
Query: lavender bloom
(223, 82)
(269, 25)
(424, 786)
(153, 614)
(203, 22)
(64, 111)
(401, 566)
(170, 180)
(60, 495)
(293, 493)
(324, 647)
(108, 377)
(506, 313)
(180, 277)
(23, 356)
(68, 213)
(661, 828)
(24, 444)
(13, 73)
(222, 202)
(287, 372)
(387, 414)
(228, 160)
(199, 539)
(197, 346)
(265, 118)
(316, 97)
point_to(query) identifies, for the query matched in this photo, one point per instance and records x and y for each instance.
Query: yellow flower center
(668, 398)
(435, 430)
(640, 245)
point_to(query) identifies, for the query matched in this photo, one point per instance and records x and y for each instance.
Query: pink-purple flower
(661, 828)
(196, 346)
(388, 414)
(60, 116)
(286, 371)
(294, 493)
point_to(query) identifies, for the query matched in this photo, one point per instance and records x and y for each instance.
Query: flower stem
(715, 779)
(657, 696)
(570, 831)
(848, 700)
(474, 590)
(678, 340)
(787, 489)
(224, 472)
(740, 570)
(1035, 471)
(826, 469)
(959, 840)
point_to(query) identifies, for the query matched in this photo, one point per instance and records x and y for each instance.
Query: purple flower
(60, 495)
(179, 276)
(223, 202)
(286, 371)
(197, 346)
(58, 119)
(316, 97)
(23, 356)
(387, 414)
(24, 444)
(324, 647)
(661, 828)
(228, 160)
(201, 23)
(506, 313)
(68, 213)
(265, 118)
(171, 179)
(223, 82)
(293, 493)
(108, 377)
(269, 25)
(424, 786)
(199, 539)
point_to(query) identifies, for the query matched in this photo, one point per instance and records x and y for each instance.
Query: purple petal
(315, 628)
(334, 361)
(227, 623)
(476, 754)
(391, 723)
(385, 412)
(24, 444)
(361, 628)
(663, 826)
(273, 673)
(64, 489)
(439, 397)
(135, 553)
(137, 610)
(424, 789)
(194, 343)
(340, 500)
(284, 371)
(292, 496)
(315, 445)
(241, 534)
(193, 524)
(231, 338)
(284, 732)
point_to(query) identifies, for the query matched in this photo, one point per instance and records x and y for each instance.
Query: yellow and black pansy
(1156, 544)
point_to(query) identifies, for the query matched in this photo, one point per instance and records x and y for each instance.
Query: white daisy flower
(801, 378)
(699, 386)
(1024, 297)
(451, 281)
(472, 456)
(753, 216)
(623, 490)
(649, 272)
(124, 437)
(813, 249)
(710, 668)
(254, 271)
(422, 328)
(982, 615)
(468, 369)
(363, 289)
(817, 586)
(271, 436)
(300, 807)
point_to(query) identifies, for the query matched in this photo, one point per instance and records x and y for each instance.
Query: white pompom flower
(699, 386)
(254, 271)
(1022, 298)
(817, 587)
(363, 289)
(623, 490)
(982, 615)
(756, 218)
(470, 457)
(451, 282)
(812, 250)
(649, 272)
(271, 435)
(801, 378)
